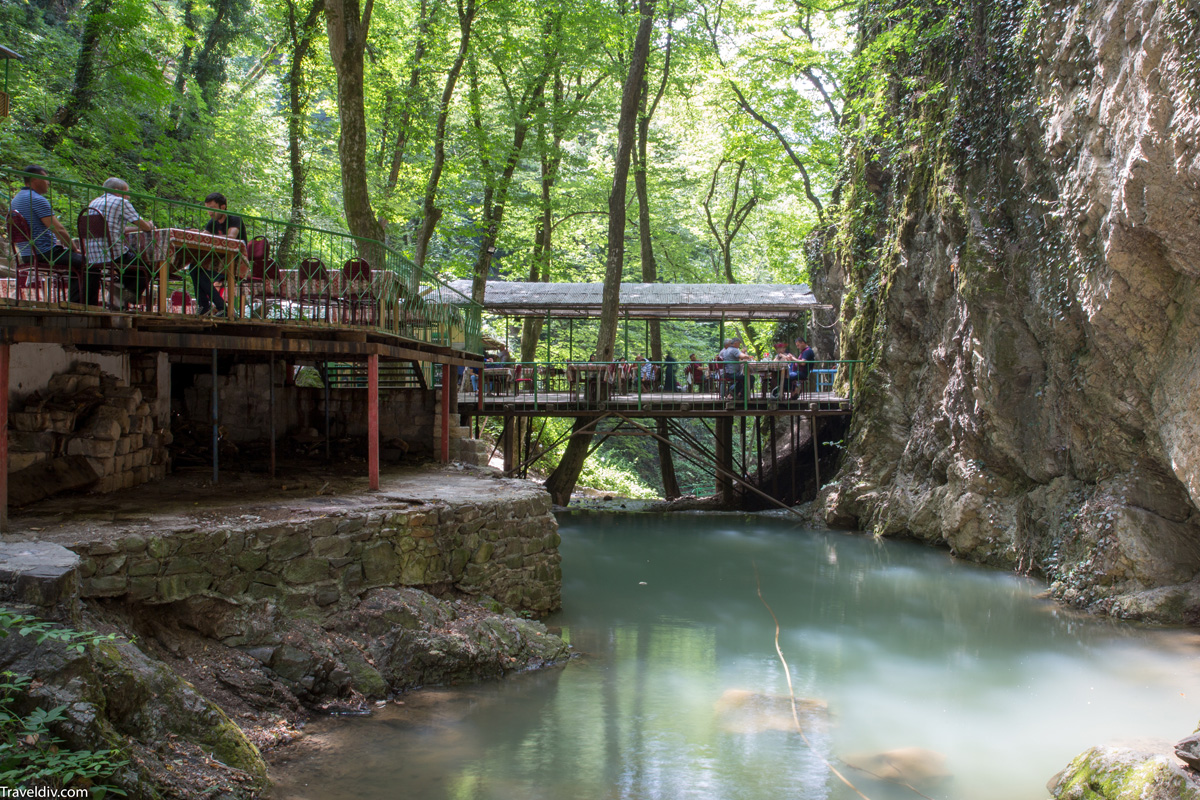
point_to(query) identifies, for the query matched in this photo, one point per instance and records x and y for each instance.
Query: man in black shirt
(204, 274)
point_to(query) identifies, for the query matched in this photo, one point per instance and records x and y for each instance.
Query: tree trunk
(666, 457)
(209, 65)
(430, 213)
(410, 96)
(348, 28)
(562, 481)
(301, 34)
(83, 92)
(495, 196)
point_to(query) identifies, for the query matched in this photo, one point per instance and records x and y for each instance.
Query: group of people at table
(784, 373)
(50, 243)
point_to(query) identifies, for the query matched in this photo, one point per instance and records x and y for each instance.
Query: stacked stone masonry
(506, 549)
(84, 412)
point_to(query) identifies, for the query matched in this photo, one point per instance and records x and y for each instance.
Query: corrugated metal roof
(647, 300)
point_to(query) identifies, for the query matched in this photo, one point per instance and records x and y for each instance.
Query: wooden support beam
(325, 381)
(720, 471)
(372, 420)
(724, 458)
(271, 370)
(447, 388)
(816, 455)
(510, 443)
(5, 353)
(232, 341)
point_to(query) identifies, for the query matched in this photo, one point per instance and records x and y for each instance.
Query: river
(678, 692)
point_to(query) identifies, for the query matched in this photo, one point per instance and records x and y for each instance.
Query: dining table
(173, 250)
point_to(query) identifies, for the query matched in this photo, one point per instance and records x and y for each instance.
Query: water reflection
(678, 692)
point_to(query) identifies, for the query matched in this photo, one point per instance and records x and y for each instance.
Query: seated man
(121, 218)
(31, 203)
(205, 274)
(647, 370)
(803, 363)
(731, 357)
(694, 374)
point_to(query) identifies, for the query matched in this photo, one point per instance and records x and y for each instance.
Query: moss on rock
(1115, 773)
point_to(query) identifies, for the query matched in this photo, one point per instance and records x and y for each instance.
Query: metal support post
(816, 455)
(216, 434)
(5, 355)
(372, 419)
(447, 387)
(326, 382)
(271, 401)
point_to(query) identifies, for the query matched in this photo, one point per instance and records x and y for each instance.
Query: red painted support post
(373, 419)
(4, 354)
(447, 388)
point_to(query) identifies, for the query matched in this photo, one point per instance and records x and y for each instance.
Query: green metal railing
(289, 273)
(645, 385)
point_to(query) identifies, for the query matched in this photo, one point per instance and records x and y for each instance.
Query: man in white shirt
(121, 218)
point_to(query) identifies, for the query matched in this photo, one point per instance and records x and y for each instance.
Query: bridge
(779, 407)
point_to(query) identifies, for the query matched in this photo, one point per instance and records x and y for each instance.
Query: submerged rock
(907, 766)
(744, 711)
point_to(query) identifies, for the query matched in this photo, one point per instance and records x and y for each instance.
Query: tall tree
(411, 97)
(730, 223)
(431, 213)
(348, 24)
(562, 481)
(649, 264)
(85, 87)
(522, 107)
(301, 31)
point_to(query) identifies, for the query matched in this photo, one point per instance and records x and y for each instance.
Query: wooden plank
(204, 342)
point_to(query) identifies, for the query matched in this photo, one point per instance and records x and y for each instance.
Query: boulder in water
(743, 711)
(1188, 750)
(914, 766)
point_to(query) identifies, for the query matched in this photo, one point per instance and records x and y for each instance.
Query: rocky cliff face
(1025, 289)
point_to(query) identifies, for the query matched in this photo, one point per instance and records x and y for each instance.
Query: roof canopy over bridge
(647, 300)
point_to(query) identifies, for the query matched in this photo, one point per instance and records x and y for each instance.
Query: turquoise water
(678, 691)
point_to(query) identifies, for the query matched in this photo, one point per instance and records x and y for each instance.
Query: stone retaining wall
(506, 548)
(85, 412)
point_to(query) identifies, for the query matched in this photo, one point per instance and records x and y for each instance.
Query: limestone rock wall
(505, 548)
(1030, 310)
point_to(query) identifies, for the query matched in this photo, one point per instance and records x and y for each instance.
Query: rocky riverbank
(203, 672)
(1018, 276)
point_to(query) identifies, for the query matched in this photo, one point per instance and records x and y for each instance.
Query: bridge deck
(651, 404)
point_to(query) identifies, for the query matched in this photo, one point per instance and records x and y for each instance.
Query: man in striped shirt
(121, 218)
(31, 203)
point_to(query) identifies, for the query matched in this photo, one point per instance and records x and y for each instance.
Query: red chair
(313, 284)
(33, 271)
(358, 295)
(519, 378)
(181, 303)
(258, 282)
